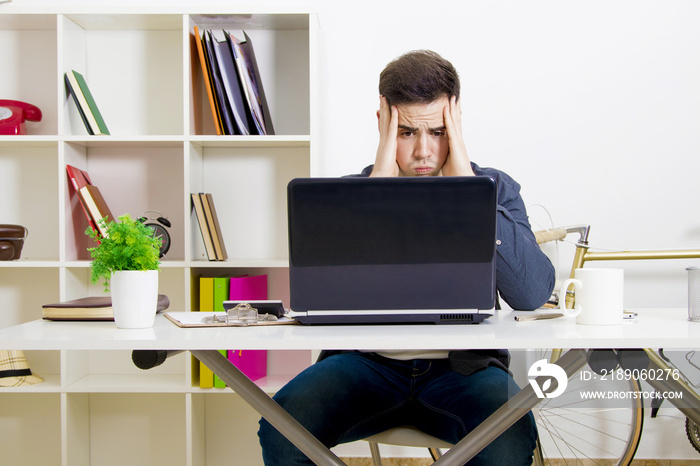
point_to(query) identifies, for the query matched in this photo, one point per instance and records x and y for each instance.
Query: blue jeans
(350, 396)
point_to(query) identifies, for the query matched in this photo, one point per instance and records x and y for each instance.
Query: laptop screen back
(392, 243)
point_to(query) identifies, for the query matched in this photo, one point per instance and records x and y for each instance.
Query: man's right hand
(385, 164)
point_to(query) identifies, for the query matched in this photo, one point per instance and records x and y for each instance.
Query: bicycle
(565, 430)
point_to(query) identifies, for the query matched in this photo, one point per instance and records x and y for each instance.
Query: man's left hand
(457, 163)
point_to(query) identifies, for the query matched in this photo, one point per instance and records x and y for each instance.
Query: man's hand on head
(457, 163)
(385, 164)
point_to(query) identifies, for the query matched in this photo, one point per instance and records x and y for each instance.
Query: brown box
(11, 241)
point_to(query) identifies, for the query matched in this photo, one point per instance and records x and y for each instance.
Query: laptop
(392, 250)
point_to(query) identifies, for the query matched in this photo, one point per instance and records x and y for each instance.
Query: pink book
(253, 363)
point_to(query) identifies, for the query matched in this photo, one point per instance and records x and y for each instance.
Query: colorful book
(214, 226)
(218, 85)
(206, 304)
(97, 206)
(203, 226)
(206, 74)
(258, 88)
(221, 293)
(253, 363)
(231, 85)
(94, 123)
(79, 179)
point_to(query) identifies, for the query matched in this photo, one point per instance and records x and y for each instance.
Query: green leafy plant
(129, 245)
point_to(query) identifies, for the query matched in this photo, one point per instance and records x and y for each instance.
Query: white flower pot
(134, 298)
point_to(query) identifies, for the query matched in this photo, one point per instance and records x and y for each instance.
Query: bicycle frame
(583, 255)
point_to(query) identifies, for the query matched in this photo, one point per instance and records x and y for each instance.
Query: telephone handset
(13, 113)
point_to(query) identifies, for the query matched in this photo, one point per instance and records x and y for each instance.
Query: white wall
(593, 106)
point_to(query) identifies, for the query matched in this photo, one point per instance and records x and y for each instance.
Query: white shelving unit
(95, 407)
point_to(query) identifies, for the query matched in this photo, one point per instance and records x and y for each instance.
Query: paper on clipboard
(208, 319)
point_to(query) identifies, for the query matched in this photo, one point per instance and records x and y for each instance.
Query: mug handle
(562, 297)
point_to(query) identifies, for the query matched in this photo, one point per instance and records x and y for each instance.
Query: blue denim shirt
(524, 274)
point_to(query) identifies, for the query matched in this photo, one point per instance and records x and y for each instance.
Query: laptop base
(439, 319)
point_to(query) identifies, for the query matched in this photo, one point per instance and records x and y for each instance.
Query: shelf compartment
(133, 179)
(277, 281)
(28, 179)
(24, 290)
(31, 428)
(28, 49)
(142, 54)
(136, 429)
(249, 187)
(281, 44)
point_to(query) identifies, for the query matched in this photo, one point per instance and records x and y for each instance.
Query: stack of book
(233, 83)
(208, 221)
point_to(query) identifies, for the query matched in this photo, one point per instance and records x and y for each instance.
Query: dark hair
(420, 76)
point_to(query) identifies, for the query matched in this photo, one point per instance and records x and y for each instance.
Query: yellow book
(206, 304)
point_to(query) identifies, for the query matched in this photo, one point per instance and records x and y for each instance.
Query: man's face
(422, 140)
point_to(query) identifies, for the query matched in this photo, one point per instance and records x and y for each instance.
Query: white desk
(667, 328)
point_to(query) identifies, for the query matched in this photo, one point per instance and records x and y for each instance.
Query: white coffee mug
(599, 296)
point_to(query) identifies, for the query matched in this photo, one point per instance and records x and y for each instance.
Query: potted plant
(126, 260)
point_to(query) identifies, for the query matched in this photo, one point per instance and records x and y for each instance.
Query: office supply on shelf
(203, 226)
(253, 363)
(13, 115)
(258, 90)
(206, 304)
(218, 84)
(234, 85)
(12, 241)
(97, 206)
(208, 84)
(89, 308)
(209, 226)
(84, 101)
(354, 256)
(90, 199)
(214, 226)
(79, 179)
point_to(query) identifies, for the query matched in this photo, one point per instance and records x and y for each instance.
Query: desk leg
(267, 407)
(505, 416)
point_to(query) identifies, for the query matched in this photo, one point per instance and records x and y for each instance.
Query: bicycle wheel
(574, 430)
(692, 430)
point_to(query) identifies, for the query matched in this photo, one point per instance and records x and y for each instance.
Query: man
(348, 396)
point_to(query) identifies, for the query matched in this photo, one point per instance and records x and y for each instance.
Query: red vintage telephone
(12, 116)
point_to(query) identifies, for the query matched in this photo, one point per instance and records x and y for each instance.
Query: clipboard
(209, 319)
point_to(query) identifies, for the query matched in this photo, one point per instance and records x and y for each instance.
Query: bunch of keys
(243, 315)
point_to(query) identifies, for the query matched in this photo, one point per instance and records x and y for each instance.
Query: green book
(221, 294)
(101, 126)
